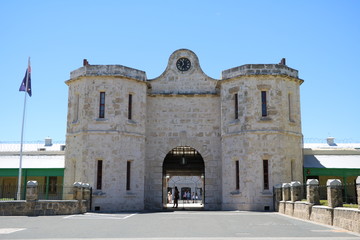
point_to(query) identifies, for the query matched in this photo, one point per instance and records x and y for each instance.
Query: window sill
(234, 122)
(236, 192)
(101, 119)
(131, 122)
(267, 193)
(265, 119)
(130, 194)
(292, 122)
(98, 193)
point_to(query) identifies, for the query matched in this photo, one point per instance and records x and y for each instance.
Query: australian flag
(23, 84)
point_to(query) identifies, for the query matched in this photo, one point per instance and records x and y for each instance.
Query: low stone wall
(42, 207)
(289, 208)
(282, 205)
(334, 214)
(322, 214)
(302, 210)
(347, 218)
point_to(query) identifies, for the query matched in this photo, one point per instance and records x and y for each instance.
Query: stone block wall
(347, 218)
(42, 207)
(182, 120)
(34, 207)
(334, 214)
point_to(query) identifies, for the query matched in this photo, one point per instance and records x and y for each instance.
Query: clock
(183, 64)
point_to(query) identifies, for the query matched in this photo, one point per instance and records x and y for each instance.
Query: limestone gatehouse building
(131, 137)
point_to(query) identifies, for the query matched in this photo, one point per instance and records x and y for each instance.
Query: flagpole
(18, 197)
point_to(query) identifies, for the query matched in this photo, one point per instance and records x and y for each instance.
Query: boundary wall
(34, 207)
(288, 201)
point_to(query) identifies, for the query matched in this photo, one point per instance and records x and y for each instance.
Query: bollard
(312, 191)
(285, 191)
(334, 193)
(32, 191)
(295, 191)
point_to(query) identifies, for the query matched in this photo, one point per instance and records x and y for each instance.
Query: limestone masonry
(130, 137)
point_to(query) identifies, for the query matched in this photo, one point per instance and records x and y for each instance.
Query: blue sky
(321, 39)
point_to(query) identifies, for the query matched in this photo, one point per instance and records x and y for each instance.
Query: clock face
(183, 64)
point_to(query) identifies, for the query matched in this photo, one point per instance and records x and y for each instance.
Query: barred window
(266, 174)
(99, 174)
(128, 171)
(237, 175)
(102, 105)
(130, 107)
(263, 104)
(236, 99)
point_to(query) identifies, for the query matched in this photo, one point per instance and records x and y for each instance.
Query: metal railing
(45, 192)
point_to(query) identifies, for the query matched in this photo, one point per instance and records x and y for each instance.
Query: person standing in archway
(176, 197)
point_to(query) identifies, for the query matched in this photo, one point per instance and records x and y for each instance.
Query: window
(76, 108)
(237, 175)
(130, 107)
(128, 171)
(99, 174)
(266, 174)
(236, 98)
(263, 104)
(50, 185)
(290, 107)
(102, 105)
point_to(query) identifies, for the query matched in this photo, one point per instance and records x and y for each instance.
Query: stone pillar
(86, 194)
(334, 193)
(312, 191)
(32, 191)
(278, 196)
(358, 190)
(295, 191)
(78, 193)
(286, 192)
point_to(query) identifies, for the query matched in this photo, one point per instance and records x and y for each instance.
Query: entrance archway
(184, 167)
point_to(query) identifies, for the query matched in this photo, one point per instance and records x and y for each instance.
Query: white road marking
(10, 230)
(97, 216)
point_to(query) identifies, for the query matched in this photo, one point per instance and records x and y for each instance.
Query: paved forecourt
(190, 225)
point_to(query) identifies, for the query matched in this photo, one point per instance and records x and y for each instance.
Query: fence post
(285, 191)
(86, 195)
(295, 191)
(358, 190)
(278, 196)
(334, 193)
(77, 190)
(312, 191)
(32, 191)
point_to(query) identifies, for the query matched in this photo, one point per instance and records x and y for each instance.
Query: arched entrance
(184, 167)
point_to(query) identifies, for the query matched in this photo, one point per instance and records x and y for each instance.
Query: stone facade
(249, 120)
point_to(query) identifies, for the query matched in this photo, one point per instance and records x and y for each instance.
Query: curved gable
(189, 81)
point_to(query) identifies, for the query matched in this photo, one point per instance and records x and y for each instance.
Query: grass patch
(326, 203)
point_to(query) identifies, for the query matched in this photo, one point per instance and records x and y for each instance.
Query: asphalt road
(189, 225)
